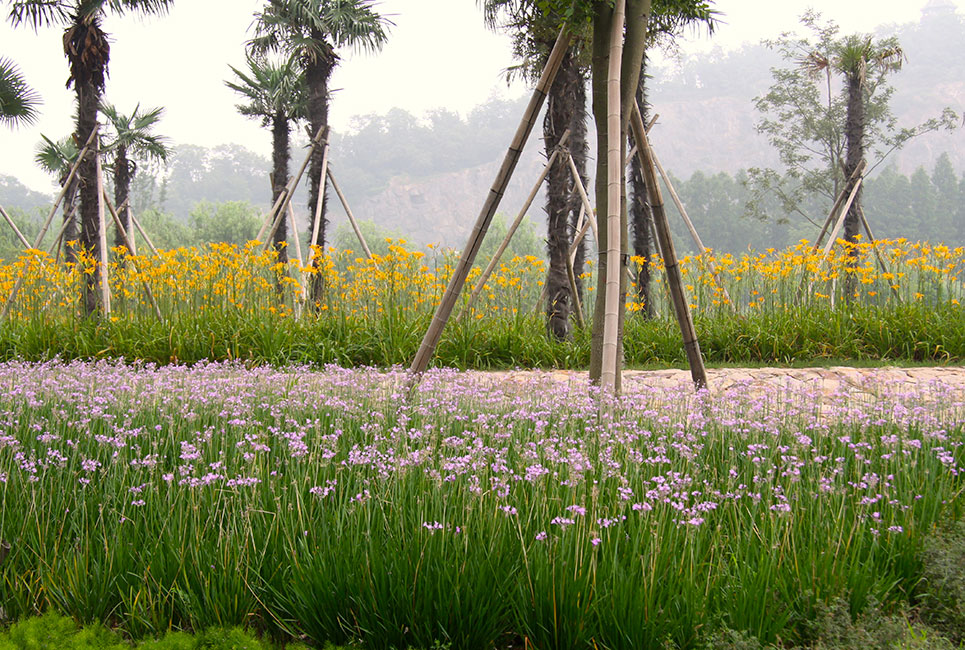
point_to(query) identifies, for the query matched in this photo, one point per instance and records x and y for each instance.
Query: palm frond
(56, 157)
(134, 133)
(18, 102)
(38, 13)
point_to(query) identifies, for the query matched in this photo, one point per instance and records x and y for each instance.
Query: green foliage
(352, 512)
(803, 115)
(233, 222)
(270, 89)
(133, 134)
(55, 632)
(18, 101)
(943, 597)
(525, 242)
(376, 236)
(164, 230)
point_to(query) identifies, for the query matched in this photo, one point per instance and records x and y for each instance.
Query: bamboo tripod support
(616, 172)
(129, 243)
(674, 280)
(316, 224)
(351, 217)
(102, 236)
(434, 332)
(701, 249)
(279, 208)
(23, 240)
(839, 212)
(480, 283)
(38, 240)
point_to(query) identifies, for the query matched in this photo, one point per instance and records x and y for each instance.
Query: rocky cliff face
(443, 208)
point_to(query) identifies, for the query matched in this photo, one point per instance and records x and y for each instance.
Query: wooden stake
(63, 190)
(842, 216)
(665, 243)
(23, 240)
(458, 279)
(837, 204)
(574, 291)
(351, 217)
(578, 182)
(147, 240)
(277, 211)
(701, 249)
(129, 227)
(513, 227)
(294, 230)
(316, 224)
(881, 260)
(615, 174)
(130, 258)
(102, 236)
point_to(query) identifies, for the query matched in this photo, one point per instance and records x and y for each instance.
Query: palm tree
(312, 32)
(275, 93)
(88, 54)
(132, 139)
(57, 159)
(18, 102)
(852, 57)
(534, 32)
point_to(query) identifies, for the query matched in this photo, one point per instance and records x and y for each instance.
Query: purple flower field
(334, 504)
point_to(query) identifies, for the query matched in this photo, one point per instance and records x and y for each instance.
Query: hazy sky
(439, 55)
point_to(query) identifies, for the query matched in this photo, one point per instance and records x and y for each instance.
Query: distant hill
(428, 176)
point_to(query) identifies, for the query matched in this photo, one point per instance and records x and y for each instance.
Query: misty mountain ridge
(428, 177)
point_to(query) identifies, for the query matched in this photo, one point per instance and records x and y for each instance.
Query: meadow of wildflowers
(227, 303)
(335, 505)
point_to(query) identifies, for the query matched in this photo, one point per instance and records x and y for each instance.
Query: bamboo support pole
(881, 260)
(616, 169)
(316, 224)
(129, 226)
(294, 230)
(513, 227)
(580, 234)
(833, 237)
(574, 291)
(127, 242)
(66, 186)
(854, 180)
(581, 189)
(102, 236)
(277, 212)
(837, 204)
(147, 240)
(298, 252)
(351, 217)
(434, 332)
(701, 249)
(23, 240)
(665, 242)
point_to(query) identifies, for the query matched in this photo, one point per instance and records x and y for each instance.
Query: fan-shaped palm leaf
(18, 102)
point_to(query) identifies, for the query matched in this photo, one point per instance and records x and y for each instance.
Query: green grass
(332, 506)
(859, 335)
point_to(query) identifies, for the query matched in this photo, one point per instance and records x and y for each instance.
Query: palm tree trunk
(279, 158)
(88, 99)
(317, 74)
(559, 112)
(70, 218)
(640, 211)
(854, 138)
(122, 185)
(579, 152)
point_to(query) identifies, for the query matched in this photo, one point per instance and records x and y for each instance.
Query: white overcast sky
(439, 54)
